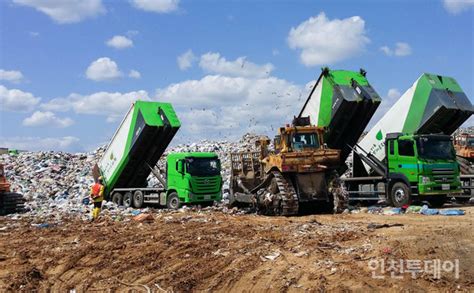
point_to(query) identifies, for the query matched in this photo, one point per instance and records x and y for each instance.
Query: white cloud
(34, 34)
(57, 105)
(117, 103)
(132, 33)
(134, 74)
(69, 11)
(39, 118)
(214, 63)
(103, 69)
(119, 42)
(386, 50)
(159, 6)
(325, 41)
(222, 106)
(16, 100)
(457, 6)
(14, 76)
(275, 52)
(66, 143)
(401, 49)
(186, 60)
(393, 95)
(388, 100)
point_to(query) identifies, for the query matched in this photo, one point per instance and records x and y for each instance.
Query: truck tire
(138, 199)
(128, 200)
(117, 198)
(438, 201)
(173, 201)
(400, 195)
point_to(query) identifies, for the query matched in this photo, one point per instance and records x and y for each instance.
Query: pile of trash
(412, 209)
(56, 183)
(51, 182)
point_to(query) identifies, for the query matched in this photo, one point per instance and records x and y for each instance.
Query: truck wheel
(138, 199)
(437, 201)
(127, 199)
(117, 198)
(400, 195)
(173, 201)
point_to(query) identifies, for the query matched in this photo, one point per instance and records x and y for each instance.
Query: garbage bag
(427, 211)
(452, 212)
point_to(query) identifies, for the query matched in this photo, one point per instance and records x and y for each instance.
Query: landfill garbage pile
(51, 182)
(57, 183)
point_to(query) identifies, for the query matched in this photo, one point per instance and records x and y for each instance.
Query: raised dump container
(344, 102)
(137, 145)
(434, 104)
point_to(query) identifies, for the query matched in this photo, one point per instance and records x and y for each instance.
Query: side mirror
(180, 166)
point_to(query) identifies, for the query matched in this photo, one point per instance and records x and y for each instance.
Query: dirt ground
(215, 251)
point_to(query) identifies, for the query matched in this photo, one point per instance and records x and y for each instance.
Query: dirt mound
(199, 251)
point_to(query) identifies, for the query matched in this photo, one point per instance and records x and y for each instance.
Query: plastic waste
(413, 209)
(452, 212)
(374, 209)
(135, 212)
(392, 211)
(427, 211)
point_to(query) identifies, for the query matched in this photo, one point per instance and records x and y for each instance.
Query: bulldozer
(464, 146)
(10, 202)
(297, 171)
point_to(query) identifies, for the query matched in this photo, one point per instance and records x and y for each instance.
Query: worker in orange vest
(97, 195)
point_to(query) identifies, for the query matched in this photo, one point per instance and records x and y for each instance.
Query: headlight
(425, 180)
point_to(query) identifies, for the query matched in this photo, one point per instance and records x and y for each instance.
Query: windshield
(470, 142)
(435, 148)
(305, 140)
(203, 166)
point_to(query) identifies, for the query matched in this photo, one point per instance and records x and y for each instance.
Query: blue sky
(70, 69)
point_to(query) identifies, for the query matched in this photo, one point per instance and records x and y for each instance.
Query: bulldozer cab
(464, 146)
(298, 139)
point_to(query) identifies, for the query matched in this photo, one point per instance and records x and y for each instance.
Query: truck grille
(443, 175)
(206, 184)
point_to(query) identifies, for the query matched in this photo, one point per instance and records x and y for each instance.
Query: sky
(69, 70)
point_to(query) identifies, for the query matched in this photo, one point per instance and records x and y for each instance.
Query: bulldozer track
(288, 203)
(11, 203)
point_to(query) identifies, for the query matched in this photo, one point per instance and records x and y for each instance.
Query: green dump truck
(343, 102)
(408, 153)
(132, 155)
(410, 149)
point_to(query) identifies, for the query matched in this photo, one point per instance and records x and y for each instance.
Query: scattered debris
(144, 218)
(274, 255)
(379, 226)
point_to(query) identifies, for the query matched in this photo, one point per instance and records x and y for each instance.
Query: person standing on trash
(97, 195)
(340, 194)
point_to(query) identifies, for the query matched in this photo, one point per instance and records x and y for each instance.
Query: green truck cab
(422, 165)
(193, 177)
